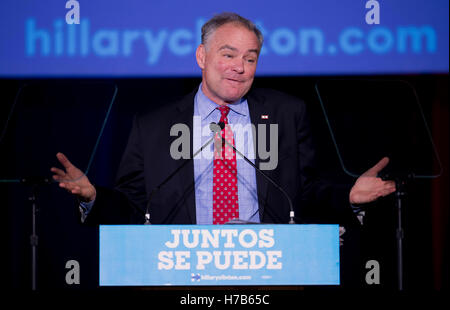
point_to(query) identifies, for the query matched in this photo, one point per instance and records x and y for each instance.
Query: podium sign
(198, 255)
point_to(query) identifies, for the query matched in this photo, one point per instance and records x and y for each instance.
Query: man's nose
(238, 65)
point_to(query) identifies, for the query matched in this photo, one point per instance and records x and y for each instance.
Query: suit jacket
(146, 162)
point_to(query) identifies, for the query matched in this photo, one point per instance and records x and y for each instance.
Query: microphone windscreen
(214, 127)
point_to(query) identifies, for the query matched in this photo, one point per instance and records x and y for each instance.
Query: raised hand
(73, 179)
(368, 187)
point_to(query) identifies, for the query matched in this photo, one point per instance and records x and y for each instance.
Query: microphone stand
(401, 181)
(291, 213)
(213, 127)
(34, 182)
(217, 128)
(399, 195)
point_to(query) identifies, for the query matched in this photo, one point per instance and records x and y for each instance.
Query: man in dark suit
(228, 57)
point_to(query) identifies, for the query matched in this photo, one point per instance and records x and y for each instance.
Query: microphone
(291, 213)
(215, 128)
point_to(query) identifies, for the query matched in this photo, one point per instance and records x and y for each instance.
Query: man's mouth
(234, 80)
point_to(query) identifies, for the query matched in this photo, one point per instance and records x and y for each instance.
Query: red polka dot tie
(225, 193)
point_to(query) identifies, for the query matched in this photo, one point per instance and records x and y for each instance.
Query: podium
(218, 255)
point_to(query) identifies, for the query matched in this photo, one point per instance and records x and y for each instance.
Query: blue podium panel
(186, 255)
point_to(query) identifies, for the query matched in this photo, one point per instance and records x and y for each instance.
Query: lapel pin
(264, 116)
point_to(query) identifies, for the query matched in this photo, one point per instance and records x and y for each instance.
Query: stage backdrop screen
(159, 38)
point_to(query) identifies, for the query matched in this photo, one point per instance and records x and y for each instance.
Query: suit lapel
(258, 110)
(186, 177)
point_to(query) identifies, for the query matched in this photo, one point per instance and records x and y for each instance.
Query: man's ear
(200, 55)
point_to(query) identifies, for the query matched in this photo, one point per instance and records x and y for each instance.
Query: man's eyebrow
(254, 51)
(226, 46)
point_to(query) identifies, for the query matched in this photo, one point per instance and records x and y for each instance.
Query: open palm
(368, 187)
(73, 179)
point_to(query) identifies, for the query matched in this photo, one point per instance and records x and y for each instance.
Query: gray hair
(226, 18)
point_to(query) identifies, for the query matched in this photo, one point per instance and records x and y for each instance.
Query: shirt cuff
(85, 208)
(359, 212)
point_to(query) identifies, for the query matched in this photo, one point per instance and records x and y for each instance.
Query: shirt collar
(206, 106)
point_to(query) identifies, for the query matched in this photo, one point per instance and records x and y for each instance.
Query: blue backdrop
(159, 38)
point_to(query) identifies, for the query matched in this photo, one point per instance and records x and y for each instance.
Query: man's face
(228, 62)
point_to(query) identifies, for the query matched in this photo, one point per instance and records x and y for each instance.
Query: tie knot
(224, 111)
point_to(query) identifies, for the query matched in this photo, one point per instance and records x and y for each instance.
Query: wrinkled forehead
(233, 36)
